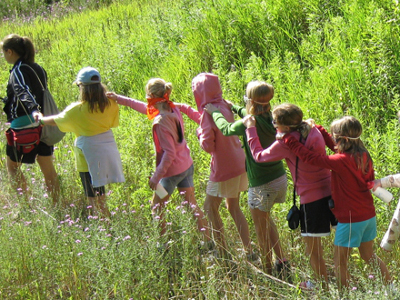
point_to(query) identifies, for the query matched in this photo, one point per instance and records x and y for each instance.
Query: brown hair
(23, 46)
(260, 94)
(291, 115)
(95, 95)
(346, 132)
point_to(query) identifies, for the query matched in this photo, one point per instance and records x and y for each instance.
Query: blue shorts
(183, 180)
(351, 235)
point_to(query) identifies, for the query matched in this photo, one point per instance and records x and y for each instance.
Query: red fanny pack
(25, 140)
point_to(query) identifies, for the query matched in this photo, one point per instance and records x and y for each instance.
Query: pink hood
(207, 89)
(227, 155)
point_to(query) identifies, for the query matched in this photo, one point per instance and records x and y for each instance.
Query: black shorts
(316, 218)
(29, 158)
(90, 191)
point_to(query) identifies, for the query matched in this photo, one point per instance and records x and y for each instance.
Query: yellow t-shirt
(76, 118)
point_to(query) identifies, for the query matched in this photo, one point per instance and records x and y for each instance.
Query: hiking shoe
(283, 271)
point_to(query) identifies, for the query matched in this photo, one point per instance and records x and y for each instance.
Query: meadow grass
(332, 58)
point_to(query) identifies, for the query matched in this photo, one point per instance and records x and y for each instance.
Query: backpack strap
(44, 75)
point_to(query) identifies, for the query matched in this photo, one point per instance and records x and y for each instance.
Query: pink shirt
(172, 155)
(227, 155)
(312, 182)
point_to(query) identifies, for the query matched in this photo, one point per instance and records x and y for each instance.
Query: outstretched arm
(193, 114)
(276, 151)
(227, 128)
(388, 181)
(130, 102)
(327, 138)
(331, 162)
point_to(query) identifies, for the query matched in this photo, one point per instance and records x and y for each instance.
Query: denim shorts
(182, 180)
(351, 235)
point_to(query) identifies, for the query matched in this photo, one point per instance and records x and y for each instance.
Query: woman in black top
(22, 106)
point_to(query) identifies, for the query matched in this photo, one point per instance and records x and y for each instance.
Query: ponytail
(23, 46)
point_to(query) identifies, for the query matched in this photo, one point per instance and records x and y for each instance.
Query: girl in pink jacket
(174, 165)
(228, 175)
(313, 183)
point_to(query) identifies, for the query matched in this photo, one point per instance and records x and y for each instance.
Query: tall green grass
(332, 58)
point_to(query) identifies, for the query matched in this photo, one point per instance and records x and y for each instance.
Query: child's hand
(310, 122)
(249, 121)
(112, 96)
(377, 183)
(210, 108)
(152, 185)
(37, 115)
(229, 103)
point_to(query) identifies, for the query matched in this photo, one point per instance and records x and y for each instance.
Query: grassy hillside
(332, 58)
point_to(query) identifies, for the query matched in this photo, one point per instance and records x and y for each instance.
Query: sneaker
(283, 271)
(307, 285)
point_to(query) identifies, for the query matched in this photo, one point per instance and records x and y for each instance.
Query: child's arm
(227, 128)
(327, 138)
(126, 101)
(193, 114)
(388, 181)
(276, 151)
(167, 144)
(328, 162)
(206, 134)
(239, 110)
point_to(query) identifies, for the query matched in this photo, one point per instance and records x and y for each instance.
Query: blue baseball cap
(88, 75)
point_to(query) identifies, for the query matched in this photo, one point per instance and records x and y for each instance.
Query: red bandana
(151, 110)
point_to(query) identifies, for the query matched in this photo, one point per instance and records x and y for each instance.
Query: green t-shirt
(257, 173)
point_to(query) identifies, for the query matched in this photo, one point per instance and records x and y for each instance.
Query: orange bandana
(151, 110)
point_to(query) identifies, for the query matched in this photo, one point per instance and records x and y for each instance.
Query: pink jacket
(313, 182)
(227, 155)
(172, 152)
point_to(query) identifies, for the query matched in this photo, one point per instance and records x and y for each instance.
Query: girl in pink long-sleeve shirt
(228, 174)
(174, 165)
(313, 183)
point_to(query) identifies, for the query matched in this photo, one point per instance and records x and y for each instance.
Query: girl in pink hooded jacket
(228, 174)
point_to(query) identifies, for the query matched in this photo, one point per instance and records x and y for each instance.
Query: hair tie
(347, 138)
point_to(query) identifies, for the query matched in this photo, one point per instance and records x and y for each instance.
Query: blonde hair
(260, 93)
(346, 132)
(291, 115)
(158, 88)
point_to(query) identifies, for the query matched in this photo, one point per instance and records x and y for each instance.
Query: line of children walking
(99, 163)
